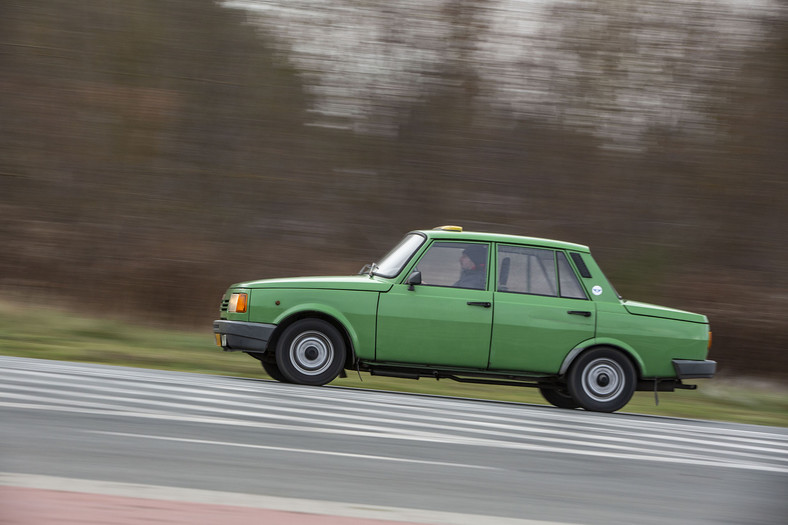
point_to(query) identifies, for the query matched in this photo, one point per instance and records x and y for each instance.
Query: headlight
(238, 302)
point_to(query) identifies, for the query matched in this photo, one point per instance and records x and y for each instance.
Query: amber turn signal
(238, 302)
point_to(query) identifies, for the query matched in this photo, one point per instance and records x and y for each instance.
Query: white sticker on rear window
(596, 290)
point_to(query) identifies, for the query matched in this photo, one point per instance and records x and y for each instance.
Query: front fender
(324, 310)
(354, 311)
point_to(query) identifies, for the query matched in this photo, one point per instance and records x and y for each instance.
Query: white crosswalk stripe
(216, 400)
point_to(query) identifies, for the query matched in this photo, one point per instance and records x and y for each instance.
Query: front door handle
(579, 312)
(479, 303)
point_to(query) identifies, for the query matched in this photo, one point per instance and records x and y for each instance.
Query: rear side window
(570, 286)
(526, 270)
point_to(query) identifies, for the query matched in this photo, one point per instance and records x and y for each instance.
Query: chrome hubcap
(311, 353)
(603, 379)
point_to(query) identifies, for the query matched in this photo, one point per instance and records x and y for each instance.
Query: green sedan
(472, 307)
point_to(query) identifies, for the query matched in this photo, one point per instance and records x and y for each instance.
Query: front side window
(455, 264)
(396, 259)
(526, 270)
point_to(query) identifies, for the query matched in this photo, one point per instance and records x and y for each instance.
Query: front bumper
(242, 336)
(694, 369)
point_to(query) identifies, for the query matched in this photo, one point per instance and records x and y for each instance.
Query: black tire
(602, 380)
(272, 370)
(268, 360)
(310, 352)
(558, 396)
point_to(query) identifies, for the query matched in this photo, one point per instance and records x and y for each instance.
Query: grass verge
(47, 333)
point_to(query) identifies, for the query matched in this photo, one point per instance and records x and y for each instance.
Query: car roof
(455, 235)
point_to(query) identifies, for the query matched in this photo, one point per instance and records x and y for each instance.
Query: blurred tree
(153, 152)
(139, 132)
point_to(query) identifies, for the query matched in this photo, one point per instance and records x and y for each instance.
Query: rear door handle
(479, 303)
(579, 312)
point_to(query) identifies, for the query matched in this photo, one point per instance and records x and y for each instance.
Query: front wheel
(310, 352)
(272, 370)
(269, 365)
(602, 380)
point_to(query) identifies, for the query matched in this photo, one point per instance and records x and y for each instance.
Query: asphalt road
(370, 449)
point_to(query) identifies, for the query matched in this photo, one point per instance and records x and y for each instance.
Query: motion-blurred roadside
(153, 152)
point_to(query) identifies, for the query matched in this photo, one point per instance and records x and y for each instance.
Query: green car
(472, 307)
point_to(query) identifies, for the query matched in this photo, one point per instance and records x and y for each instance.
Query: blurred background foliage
(151, 152)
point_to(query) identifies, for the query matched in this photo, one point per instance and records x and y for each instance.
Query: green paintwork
(352, 309)
(504, 239)
(434, 326)
(652, 310)
(654, 340)
(535, 333)
(349, 282)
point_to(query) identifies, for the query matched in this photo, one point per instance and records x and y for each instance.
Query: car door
(541, 310)
(447, 318)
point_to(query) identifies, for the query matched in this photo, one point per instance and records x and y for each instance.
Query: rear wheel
(558, 396)
(310, 352)
(602, 380)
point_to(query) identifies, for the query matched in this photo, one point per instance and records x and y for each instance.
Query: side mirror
(414, 278)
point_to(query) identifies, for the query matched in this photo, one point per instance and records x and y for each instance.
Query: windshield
(396, 259)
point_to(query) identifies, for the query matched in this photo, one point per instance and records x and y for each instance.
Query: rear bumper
(242, 336)
(692, 369)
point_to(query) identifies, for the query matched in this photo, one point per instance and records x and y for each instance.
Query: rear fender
(602, 341)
